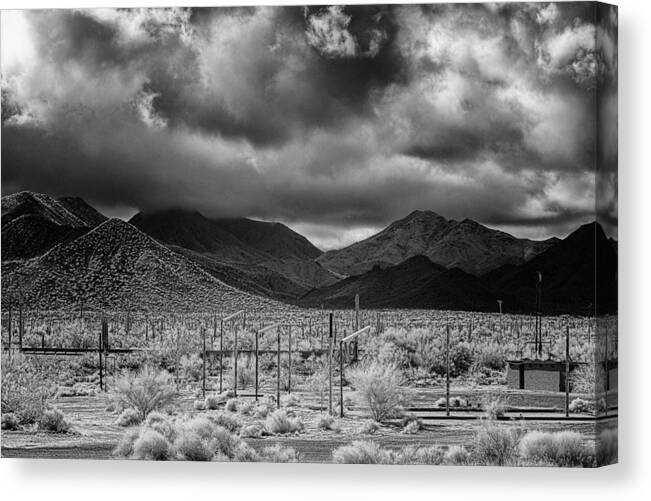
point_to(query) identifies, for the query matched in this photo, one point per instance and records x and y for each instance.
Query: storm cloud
(335, 120)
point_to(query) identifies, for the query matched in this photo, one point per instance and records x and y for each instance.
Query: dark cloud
(334, 119)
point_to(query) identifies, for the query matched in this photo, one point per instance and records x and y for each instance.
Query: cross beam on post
(351, 337)
(257, 337)
(229, 318)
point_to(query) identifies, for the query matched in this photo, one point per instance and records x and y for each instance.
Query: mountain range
(61, 251)
(466, 244)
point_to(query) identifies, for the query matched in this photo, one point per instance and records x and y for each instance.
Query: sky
(334, 120)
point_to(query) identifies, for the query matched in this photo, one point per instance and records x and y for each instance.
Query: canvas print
(342, 234)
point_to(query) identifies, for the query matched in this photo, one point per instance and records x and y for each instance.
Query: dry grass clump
(494, 407)
(151, 445)
(191, 446)
(361, 452)
(129, 417)
(328, 423)
(563, 448)
(10, 422)
(145, 391)
(280, 423)
(495, 444)
(232, 404)
(413, 454)
(25, 389)
(368, 427)
(380, 388)
(54, 421)
(226, 420)
(411, 428)
(279, 454)
(213, 402)
(579, 405)
(457, 455)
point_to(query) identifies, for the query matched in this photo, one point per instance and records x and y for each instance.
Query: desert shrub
(246, 373)
(212, 402)
(162, 425)
(380, 388)
(225, 443)
(126, 443)
(245, 408)
(201, 426)
(495, 445)
(458, 402)
(279, 423)
(228, 421)
(571, 450)
(317, 382)
(54, 421)
(565, 448)
(361, 452)
(279, 454)
(129, 417)
(411, 428)
(290, 400)
(461, 359)
(199, 405)
(494, 407)
(251, 431)
(578, 405)
(10, 422)
(606, 447)
(262, 410)
(25, 389)
(246, 454)
(457, 455)
(327, 422)
(412, 454)
(145, 391)
(232, 405)
(369, 427)
(191, 367)
(190, 446)
(491, 356)
(151, 445)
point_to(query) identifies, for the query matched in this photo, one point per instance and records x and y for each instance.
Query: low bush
(327, 422)
(496, 445)
(225, 443)
(245, 408)
(54, 421)
(213, 402)
(190, 446)
(564, 448)
(494, 407)
(490, 356)
(412, 454)
(151, 445)
(578, 405)
(10, 422)
(199, 405)
(246, 454)
(380, 387)
(145, 391)
(125, 445)
(279, 423)
(411, 428)
(290, 400)
(191, 367)
(361, 452)
(25, 389)
(129, 417)
(262, 410)
(232, 405)
(252, 431)
(228, 421)
(368, 427)
(457, 455)
(279, 454)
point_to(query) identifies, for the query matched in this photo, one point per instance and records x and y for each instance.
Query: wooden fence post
(447, 369)
(221, 356)
(278, 366)
(257, 335)
(341, 378)
(567, 371)
(203, 363)
(235, 364)
(330, 367)
(289, 361)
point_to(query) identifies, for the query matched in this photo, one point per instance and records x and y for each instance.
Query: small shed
(545, 375)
